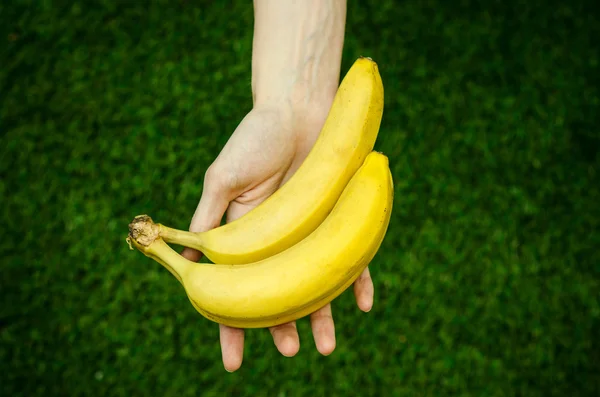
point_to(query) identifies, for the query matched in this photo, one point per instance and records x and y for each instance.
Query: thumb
(209, 212)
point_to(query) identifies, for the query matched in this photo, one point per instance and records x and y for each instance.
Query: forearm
(297, 50)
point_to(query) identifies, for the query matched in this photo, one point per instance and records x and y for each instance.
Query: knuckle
(217, 178)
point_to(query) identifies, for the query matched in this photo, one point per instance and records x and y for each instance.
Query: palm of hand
(264, 151)
(261, 154)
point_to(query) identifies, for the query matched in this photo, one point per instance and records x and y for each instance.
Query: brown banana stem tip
(143, 231)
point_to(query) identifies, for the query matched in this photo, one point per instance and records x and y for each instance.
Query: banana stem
(181, 237)
(144, 235)
(179, 266)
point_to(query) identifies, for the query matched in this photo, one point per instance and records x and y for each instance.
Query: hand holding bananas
(304, 221)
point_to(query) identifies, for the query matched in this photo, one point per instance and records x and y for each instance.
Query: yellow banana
(297, 281)
(301, 204)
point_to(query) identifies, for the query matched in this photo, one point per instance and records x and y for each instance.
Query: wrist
(295, 93)
(299, 117)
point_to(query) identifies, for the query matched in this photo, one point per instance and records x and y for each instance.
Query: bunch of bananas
(309, 241)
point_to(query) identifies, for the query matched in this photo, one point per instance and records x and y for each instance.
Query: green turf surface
(487, 283)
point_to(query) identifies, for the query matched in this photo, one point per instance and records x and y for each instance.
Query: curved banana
(301, 204)
(297, 281)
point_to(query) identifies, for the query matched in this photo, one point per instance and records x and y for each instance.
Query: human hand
(264, 151)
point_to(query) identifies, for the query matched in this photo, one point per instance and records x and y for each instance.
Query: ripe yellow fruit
(301, 204)
(298, 280)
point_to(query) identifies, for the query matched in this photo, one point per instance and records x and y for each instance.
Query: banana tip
(369, 62)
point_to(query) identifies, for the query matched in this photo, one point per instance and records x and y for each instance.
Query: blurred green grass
(486, 285)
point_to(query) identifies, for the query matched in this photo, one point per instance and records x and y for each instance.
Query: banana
(298, 280)
(301, 204)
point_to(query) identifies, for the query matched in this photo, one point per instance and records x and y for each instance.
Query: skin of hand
(295, 74)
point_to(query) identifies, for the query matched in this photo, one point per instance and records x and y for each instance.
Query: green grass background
(487, 283)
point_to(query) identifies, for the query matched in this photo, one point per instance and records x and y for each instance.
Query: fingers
(237, 210)
(364, 291)
(209, 211)
(323, 330)
(212, 205)
(191, 254)
(286, 338)
(232, 347)
(208, 215)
